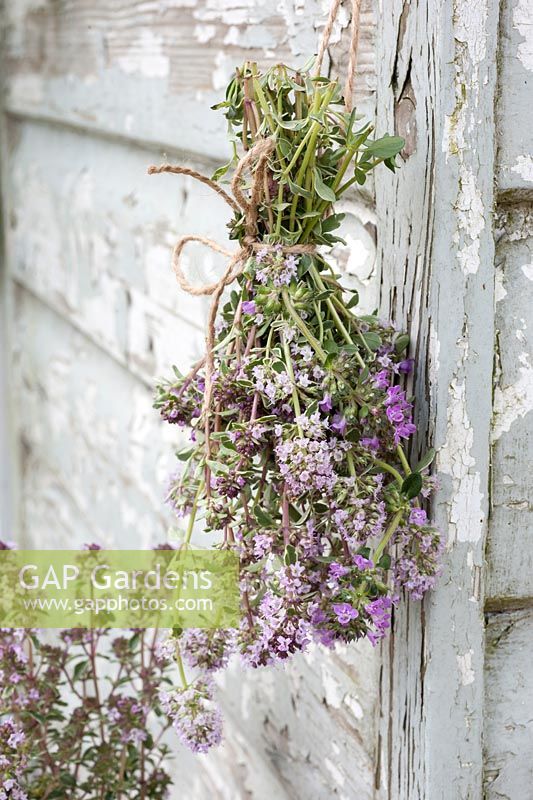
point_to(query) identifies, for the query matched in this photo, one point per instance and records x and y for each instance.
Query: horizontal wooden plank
(508, 735)
(509, 552)
(94, 454)
(91, 233)
(152, 69)
(313, 722)
(513, 108)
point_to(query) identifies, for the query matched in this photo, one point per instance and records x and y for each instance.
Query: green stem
(181, 669)
(334, 314)
(403, 459)
(311, 147)
(192, 516)
(302, 327)
(388, 468)
(388, 534)
(295, 398)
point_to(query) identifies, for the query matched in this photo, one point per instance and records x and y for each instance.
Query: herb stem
(302, 327)
(403, 459)
(388, 534)
(388, 468)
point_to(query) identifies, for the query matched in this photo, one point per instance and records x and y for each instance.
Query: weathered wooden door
(94, 90)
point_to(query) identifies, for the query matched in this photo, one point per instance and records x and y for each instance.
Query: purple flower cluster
(277, 634)
(128, 717)
(195, 717)
(272, 266)
(307, 461)
(13, 759)
(379, 612)
(207, 650)
(418, 562)
(399, 413)
(181, 403)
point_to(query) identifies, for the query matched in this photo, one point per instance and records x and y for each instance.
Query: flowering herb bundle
(297, 416)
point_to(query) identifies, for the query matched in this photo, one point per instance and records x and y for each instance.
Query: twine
(354, 42)
(257, 155)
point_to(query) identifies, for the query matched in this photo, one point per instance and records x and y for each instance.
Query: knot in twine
(259, 155)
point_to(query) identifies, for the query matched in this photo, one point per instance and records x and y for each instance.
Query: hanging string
(354, 42)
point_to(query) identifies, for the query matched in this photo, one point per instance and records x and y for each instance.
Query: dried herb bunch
(297, 458)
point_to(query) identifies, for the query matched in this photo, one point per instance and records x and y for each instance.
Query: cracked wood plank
(515, 157)
(509, 551)
(436, 84)
(508, 740)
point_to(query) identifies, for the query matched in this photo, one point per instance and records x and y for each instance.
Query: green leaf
(285, 146)
(384, 562)
(412, 485)
(353, 301)
(262, 517)
(386, 147)
(372, 339)
(331, 347)
(332, 222)
(221, 171)
(426, 460)
(322, 190)
(295, 189)
(401, 343)
(289, 557)
(216, 466)
(80, 669)
(184, 455)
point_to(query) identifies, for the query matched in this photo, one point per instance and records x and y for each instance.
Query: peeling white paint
(232, 36)
(524, 167)
(527, 269)
(333, 691)
(470, 219)
(499, 288)
(466, 672)
(335, 772)
(204, 33)
(523, 22)
(515, 401)
(354, 706)
(455, 459)
(146, 56)
(470, 28)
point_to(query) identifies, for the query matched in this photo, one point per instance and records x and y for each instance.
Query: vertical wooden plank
(509, 706)
(436, 87)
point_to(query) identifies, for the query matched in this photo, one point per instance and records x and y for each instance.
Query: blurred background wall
(94, 92)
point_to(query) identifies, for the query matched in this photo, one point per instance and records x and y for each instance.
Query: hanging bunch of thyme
(297, 460)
